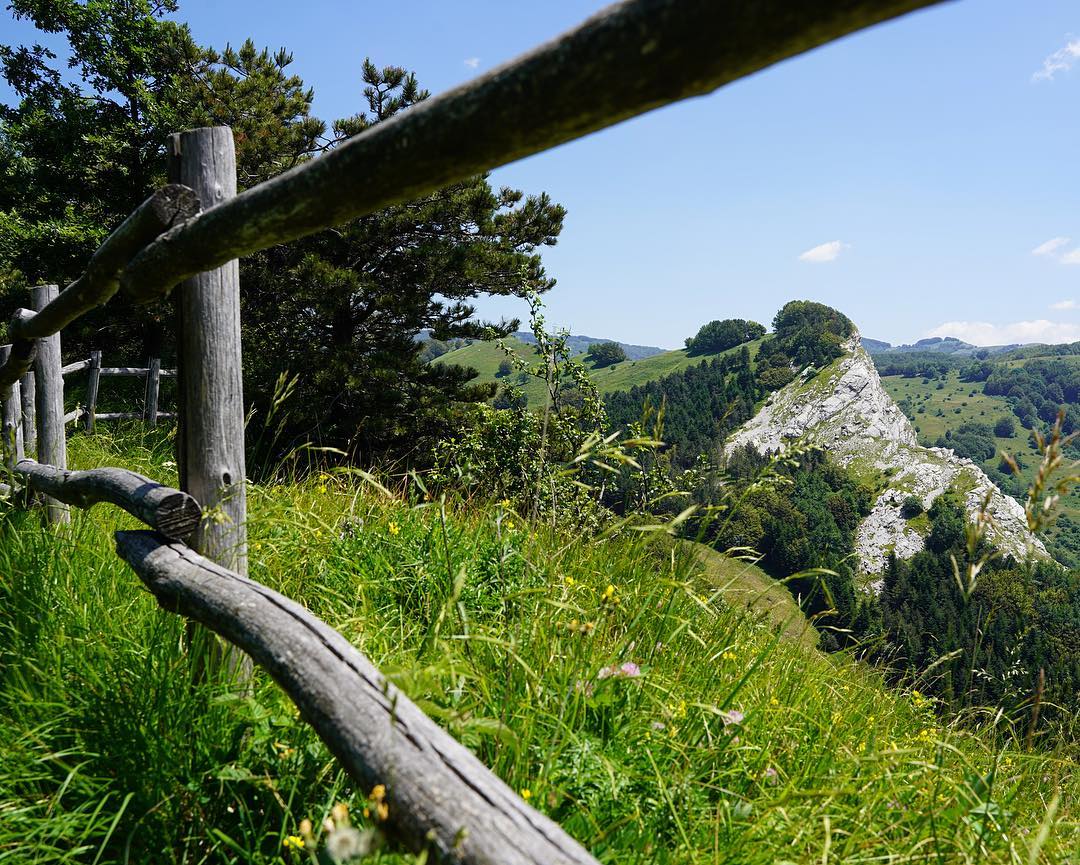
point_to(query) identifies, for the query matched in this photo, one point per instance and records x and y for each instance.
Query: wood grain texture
(29, 410)
(77, 366)
(440, 795)
(124, 370)
(52, 438)
(173, 513)
(93, 382)
(166, 207)
(209, 361)
(150, 397)
(628, 59)
(11, 418)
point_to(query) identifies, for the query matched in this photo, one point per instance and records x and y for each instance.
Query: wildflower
(346, 843)
(773, 701)
(570, 581)
(608, 595)
(771, 776)
(394, 529)
(729, 656)
(305, 831)
(732, 717)
(505, 503)
(322, 488)
(629, 670)
(526, 793)
(293, 842)
(378, 800)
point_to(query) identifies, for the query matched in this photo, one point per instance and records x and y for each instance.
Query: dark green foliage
(1005, 428)
(809, 522)
(972, 440)
(1038, 390)
(505, 368)
(807, 334)
(605, 354)
(703, 404)
(928, 365)
(717, 336)
(1018, 620)
(911, 507)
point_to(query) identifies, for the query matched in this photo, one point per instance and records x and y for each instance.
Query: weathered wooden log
(93, 382)
(439, 794)
(628, 59)
(210, 435)
(72, 416)
(29, 410)
(163, 209)
(52, 437)
(125, 370)
(11, 418)
(173, 513)
(168, 373)
(77, 366)
(150, 396)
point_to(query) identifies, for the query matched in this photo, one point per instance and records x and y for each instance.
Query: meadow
(620, 686)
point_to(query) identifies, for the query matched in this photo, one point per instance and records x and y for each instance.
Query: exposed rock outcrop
(845, 410)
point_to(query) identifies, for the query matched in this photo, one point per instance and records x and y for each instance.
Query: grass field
(956, 403)
(607, 680)
(485, 357)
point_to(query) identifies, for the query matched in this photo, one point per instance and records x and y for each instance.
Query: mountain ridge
(845, 409)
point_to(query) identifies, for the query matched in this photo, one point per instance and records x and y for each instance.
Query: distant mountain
(935, 345)
(579, 344)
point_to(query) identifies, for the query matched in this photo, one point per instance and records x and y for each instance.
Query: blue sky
(904, 175)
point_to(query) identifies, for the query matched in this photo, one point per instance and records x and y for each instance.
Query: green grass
(733, 744)
(485, 357)
(957, 405)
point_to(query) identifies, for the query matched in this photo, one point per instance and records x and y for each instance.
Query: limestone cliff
(845, 410)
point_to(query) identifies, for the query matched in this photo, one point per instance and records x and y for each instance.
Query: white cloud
(1071, 257)
(1051, 246)
(985, 333)
(1064, 304)
(1061, 60)
(473, 62)
(825, 252)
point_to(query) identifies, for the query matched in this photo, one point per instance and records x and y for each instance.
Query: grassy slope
(743, 584)
(964, 402)
(107, 743)
(484, 357)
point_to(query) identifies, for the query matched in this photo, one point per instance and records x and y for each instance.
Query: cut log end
(178, 516)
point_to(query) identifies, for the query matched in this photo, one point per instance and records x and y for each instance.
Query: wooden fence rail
(628, 59)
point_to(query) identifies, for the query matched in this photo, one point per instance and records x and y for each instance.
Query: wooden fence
(628, 59)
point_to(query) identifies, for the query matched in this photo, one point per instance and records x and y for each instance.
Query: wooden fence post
(11, 423)
(29, 411)
(52, 442)
(210, 447)
(93, 379)
(150, 397)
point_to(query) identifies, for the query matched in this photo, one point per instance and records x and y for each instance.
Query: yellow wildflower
(293, 842)
(394, 529)
(526, 793)
(773, 701)
(729, 656)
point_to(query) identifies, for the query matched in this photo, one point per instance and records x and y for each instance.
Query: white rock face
(846, 411)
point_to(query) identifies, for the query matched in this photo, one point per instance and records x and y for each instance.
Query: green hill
(485, 358)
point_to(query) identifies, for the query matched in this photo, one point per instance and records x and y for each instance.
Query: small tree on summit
(605, 354)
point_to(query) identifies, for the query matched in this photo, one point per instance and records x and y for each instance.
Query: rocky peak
(845, 410)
